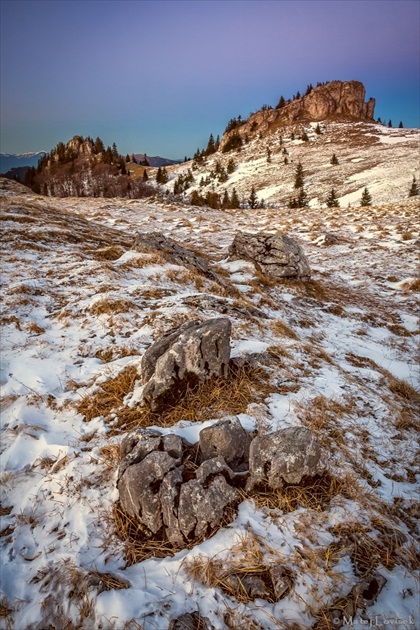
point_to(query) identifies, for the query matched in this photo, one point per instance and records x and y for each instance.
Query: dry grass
(194, 401)
(320, 414)
(109, 395)
(246, 560)
(110, 306)
(316, 494)
(280, 328)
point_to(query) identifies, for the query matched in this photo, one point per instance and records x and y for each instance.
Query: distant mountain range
(16, 160)
(156, 160)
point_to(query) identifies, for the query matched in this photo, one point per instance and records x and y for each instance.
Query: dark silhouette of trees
(414, 190)
(332, 200)
(299, 176)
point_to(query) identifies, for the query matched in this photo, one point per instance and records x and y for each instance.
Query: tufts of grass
(280, 328)
(111, 307)
(193, 401)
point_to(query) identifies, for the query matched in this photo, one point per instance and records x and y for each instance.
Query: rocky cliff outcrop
(337, 100)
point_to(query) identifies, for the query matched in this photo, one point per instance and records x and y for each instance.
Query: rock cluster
(277, 256)
(161, 487)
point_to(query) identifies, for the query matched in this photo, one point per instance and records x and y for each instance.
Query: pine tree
(390, 123)
(253, 199)
(318, 129)
(231, 166)
(302, 200)
(366, 199)
(226, 200)
(332, 200)
(299, 176)
(234, 199)
(281, 103)
(334, 159)
(145, 161)
(304, 137)
(210, 145)
(286, 161)
(268, 155)
(145, 175)
(414, 190)
(401, 126)
(133, 159)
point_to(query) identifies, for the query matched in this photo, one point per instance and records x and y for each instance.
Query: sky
(158, 76)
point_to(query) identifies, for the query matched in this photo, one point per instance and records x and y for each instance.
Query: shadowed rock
(277, 256)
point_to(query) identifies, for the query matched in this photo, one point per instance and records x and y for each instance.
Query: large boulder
(201, 349)
(284, 457)
(277, 256)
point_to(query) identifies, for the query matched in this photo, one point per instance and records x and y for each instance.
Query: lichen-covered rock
(139, 488)
(202, 508)
(195, 348)
(140, 442)
(190, 621)
(286, 456)
(282, 579)
(277, 256)
(228, 439)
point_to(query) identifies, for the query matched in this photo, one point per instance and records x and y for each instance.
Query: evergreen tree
(253, 199)
(211, 148)
(414, 190)
(145, 175)
(318, 129)
(231, 166)
(401, 126)
(226, 200)
(292, 137)
(127, 158)
(332, 200)
(281, 103)
(334, 159)
(286, 161)
(133, 159)
(305, 137)
(309, 89)
(302, 199)
(114, 152)
(366, 199)
(145, 161)
(268, 155)
(98, 146)
(299, 176)
(234, 200)
(390, 123)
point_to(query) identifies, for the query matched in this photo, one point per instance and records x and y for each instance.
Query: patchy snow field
(339, 355)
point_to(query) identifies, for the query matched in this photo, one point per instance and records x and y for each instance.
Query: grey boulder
(284, 457)
(195, 348)
(277, 256)
(228, 439)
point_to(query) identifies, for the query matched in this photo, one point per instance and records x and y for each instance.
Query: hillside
(369, 154)
(336, 354)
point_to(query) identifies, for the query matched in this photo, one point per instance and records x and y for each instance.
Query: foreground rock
(161, 486)
(194, 348)
(286, 456)
(277, 256)
(156, 488)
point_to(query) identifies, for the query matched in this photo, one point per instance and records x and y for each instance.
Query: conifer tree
(390, 123)
(299, 176)
(334, 159)
(252, 199)
(234, 199)
(231, 166)
(145, 175)
(318, 129)
(210, 145)
(268, 155)
(366, 199)
(414, 190)
(401, 126)
(302, 200)
(226, 200)
(281, 103)
(332, 200)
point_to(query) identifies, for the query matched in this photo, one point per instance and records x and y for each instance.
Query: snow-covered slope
(338, 354)
(381, 158)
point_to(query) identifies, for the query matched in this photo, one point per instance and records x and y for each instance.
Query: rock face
(160, 487)
(286, 456)
(277, 256)
(194, 348)
(342, 100)
(335, 99)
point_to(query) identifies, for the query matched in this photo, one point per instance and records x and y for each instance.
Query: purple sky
(159, 76)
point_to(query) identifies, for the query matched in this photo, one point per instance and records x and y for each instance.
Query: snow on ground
(339, 353)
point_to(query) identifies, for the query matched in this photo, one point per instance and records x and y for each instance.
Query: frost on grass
(336, 354)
